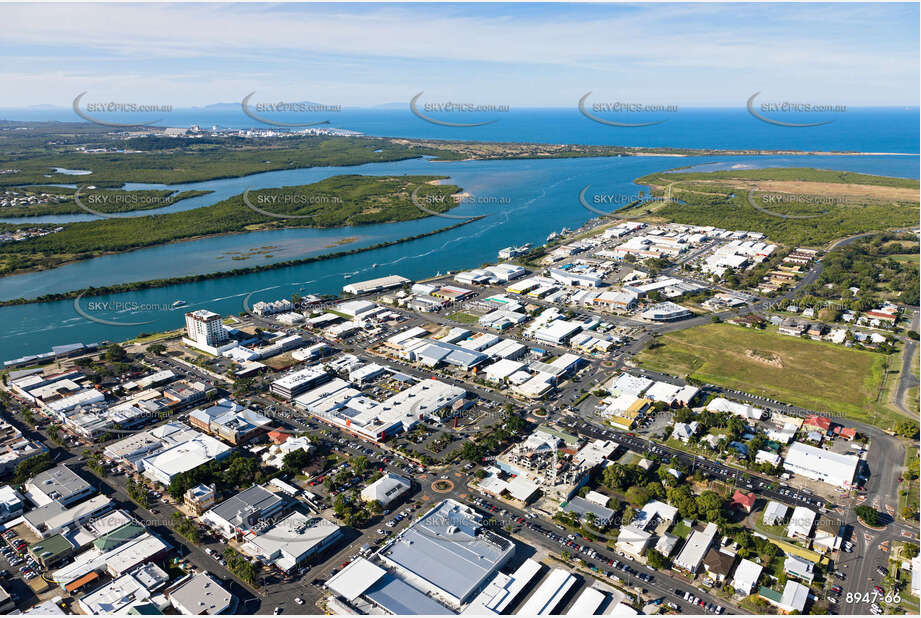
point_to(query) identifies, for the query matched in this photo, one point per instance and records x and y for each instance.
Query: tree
(480, 473)
(869, 515)
(637, 496)
(157, 348)
(909, 550)
(115, 353)
(295, 461)
(27, 468)
(657, 560)
(360, 464)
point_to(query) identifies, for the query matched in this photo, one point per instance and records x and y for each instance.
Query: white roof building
(291, 541)
(386, 489)
(746, 576)
(696, 547)
(502, 369)
(201, 595)
(775, 513)
(821, 465)
(743, 410)
(628, 384)
(188, 455)
(801, 523)
(633, 540)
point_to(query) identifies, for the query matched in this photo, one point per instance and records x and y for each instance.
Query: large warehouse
(821, 465)
(448, 553)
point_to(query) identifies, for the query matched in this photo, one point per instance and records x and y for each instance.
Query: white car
(276, 611)
(299, 600)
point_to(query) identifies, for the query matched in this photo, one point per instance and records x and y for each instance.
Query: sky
(521, 55)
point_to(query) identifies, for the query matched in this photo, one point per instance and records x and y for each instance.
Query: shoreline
(223, 274)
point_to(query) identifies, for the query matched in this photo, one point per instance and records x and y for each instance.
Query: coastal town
(488, 441)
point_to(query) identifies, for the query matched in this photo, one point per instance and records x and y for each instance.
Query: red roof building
(848, 433)
(278, 437)
(743, 500)
(881, 315)
(817, 423)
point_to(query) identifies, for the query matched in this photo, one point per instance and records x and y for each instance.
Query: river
(526, 200)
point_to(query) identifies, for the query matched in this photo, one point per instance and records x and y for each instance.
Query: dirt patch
(854, 192)
(765, 358)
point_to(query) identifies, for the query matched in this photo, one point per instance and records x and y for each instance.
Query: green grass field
(815, 375)
(463, 318)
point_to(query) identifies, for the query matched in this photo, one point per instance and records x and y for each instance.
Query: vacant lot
(815, 375)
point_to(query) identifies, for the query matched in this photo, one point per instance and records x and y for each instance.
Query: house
(814, 422)
(633, 540)
(792, 327)
(666, 544)
(696, 547)
(792, 599)
(743, 501)
(718, 564)
(746, 576)
(801, 523)
(800, 568)
(685, 431)
(775, 513)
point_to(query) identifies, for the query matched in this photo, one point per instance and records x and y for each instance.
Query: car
(879, 589)
(276, 611)
(299, 600)
(832, 600)
(882, 570)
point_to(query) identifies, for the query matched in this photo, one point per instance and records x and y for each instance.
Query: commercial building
(386, 489)
(633, 540)
(91, 564)
(742, 410)
(376, 285)
(348, 409)
(448, 552)
(205, 331)
(820, 465)
(548, 596)
(128, 594)
(59, 484)
(666, 312)
(363, 583)
(293, 384)
(240, 513)
(582, 507)
(800, 568)
(163, 465)
(557, 331)
(503, 590)
(230, 421)
(129, 451)
(11, 504)
(588, 603)
(53, 517)
(292, 541)
(14, 448)
(438, 352)
(200, 498)
(51, 551)
(199, 595)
